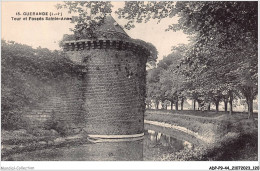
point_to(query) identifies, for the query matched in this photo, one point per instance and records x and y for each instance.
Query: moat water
(155, 145)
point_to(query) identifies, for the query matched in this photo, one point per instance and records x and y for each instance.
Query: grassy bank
(19, 141)
(207, 114)
(234, 147)
(230, 137)
(212, 128)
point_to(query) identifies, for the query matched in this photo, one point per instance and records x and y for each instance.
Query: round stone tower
(113, 71)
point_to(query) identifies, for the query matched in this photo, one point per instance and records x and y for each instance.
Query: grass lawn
(198, 113)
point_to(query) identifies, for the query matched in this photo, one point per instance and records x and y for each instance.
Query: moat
(152, 145)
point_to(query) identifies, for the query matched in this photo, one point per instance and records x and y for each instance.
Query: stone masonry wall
(114, 90)
(106, 97)
(63, 105)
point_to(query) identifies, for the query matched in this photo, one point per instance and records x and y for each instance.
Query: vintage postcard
(168, 81)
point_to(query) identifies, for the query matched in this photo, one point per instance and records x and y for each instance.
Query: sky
(47, 34)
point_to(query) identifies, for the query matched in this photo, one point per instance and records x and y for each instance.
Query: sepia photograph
(174, 82)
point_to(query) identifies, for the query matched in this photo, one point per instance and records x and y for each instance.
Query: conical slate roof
(110, 29)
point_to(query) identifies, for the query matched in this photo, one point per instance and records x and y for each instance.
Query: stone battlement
(86, 44)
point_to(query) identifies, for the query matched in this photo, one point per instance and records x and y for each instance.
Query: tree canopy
(223, 58)
(88, 15)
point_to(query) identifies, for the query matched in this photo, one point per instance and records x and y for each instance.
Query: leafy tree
(172, 78)
(88, 16)
(153, 86)
(225, 36)
(166, 81)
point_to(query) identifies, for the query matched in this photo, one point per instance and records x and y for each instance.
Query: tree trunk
(249, 95)
(166, 106)
(217, 104)
(230, 107)
(171, 105)
(176, 105)
(226, 104)
(250, 111)
(231, 103)
(250, 108)
(162, 104)
(182, 101)
(194, 104)
(157, 105)
(209, 107)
